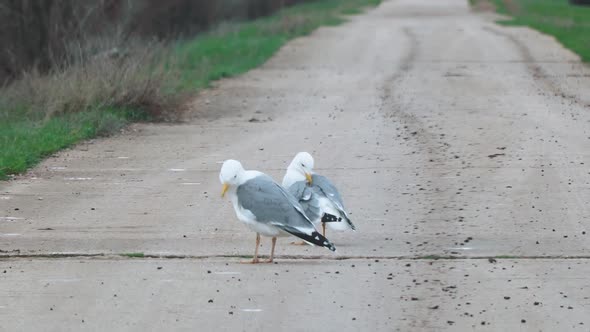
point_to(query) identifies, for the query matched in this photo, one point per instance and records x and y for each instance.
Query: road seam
(126, 256)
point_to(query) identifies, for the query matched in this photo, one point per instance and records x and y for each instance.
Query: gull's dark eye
(235, 176)
(303, 165)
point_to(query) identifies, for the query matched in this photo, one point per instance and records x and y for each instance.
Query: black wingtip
(316, 239)
(330, 218)
(326, 243)
(320, 240)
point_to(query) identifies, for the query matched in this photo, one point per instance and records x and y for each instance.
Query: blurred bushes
(43, 34)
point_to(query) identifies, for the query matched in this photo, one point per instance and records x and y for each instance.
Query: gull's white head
(302, 164)
(230, 175)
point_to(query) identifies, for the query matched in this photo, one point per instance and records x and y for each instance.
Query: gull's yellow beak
(224, 190)
(308, 177)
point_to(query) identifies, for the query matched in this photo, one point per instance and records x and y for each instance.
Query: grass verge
(232, 49)
(24, 143)
(133, 255)
(102, 92)
(570, 24)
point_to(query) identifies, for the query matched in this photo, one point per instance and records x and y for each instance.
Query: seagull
(318, 196)
(266, 207)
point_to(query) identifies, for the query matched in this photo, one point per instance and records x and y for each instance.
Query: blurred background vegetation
(48, 33)
(566, 20)
(76, 69)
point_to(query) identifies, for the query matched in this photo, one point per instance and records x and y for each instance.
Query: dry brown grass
(512, 6)
(37, 33)
(288, 24)
(136, 77)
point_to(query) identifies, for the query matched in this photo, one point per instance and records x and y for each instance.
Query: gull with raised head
(318, 196)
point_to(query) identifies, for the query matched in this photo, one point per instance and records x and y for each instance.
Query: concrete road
(461, 148)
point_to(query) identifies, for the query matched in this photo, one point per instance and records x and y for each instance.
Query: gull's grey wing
(324, 187)
(305, 196)
(272, 204)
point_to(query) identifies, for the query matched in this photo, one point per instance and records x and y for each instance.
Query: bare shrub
(38, 33)
(62, 56)
(512, 6)
(289, 24)
(131, 78)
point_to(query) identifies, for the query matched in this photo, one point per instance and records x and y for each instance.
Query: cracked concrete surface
(460, 147)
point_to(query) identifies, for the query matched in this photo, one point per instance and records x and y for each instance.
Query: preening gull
(266, 207)
(318, 196)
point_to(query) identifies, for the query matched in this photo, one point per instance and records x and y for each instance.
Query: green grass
(24, 143)
(232, 49)
(133, 255)
(29, 133)
(568, 23)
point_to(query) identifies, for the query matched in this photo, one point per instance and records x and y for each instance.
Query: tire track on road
(539, 74)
